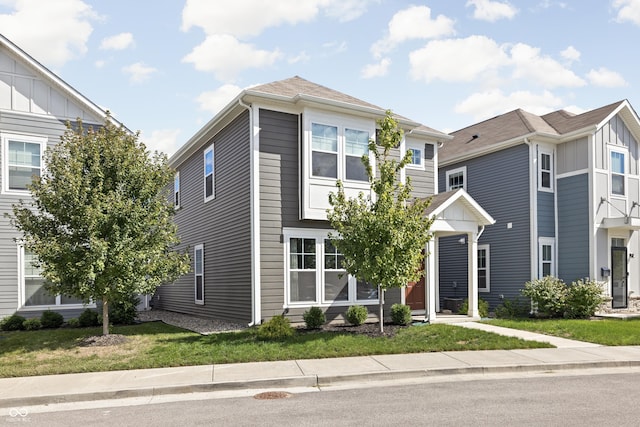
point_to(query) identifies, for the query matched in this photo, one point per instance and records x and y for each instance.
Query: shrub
(32, 324)
(483, 307)
(124, 312)
(510, 309)
(51, 320)
(73, 323)
(277, 328)
(314, 318)
(88, 318)
(548, 295)
(401, 314)
(14, 322)
(583, 299)
(357, 314)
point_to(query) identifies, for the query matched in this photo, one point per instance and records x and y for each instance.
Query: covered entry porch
(455, 213)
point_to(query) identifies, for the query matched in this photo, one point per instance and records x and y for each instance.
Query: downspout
(479, 233)
(533, 204)
(255, 224)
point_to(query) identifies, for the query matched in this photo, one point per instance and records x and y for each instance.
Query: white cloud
(53, 32)
(484, 105)
(226, 56)
(118, 42)
(604, 77)
(456, 60)
(412, 23)
(544, 70)
(376, 70)
(628, 10)
(347, 10)
(100, 63)
(487, 10)
(571, 54)
(162, 140)
(138, 72)
(301, 57)
(215, 100)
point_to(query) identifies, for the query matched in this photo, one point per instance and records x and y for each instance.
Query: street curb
(311, 381)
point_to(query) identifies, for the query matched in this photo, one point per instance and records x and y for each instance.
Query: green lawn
(155, 345)
(604, 331)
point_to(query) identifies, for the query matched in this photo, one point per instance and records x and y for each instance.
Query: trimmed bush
(278, 328)
(548, 296)
(51, 320)
(401, 314)
(73, 323)
(88, 318)
(356, 315)
(512, 308)
(314, 318)
(32, 324)
(583, 299)
(124, 312)
(15, 322)
(483, 307)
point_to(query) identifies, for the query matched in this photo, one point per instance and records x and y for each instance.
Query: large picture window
(22, 161)
(315, 274)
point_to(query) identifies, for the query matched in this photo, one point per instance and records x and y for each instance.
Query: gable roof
(441, 201)
(513, 127)
(52, 79)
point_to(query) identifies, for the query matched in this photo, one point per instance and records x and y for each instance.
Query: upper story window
(545, 171)
(456, 178)
(331, 144)
(617, 173)
(23, 161)
(417, 156)
(209, 174)
(176, 190)
(356, 146)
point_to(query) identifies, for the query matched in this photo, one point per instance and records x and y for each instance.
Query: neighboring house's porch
(455, 213)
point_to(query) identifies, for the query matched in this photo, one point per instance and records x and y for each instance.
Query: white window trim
(410, 145)
(625, 175)
(196, 274)
(4, 139)
(487, 250)
(177, 196)
(551, 171)
(547, 241)
(22, 297)
(462, 169)
(213, 174)
(319, 236)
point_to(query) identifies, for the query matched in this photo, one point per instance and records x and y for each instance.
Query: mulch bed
(368, 329)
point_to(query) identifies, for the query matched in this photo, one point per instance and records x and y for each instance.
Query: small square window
(456, 178)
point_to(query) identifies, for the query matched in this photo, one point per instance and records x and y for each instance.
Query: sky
(166, 67)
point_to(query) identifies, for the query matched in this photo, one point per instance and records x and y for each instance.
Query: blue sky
(166, 67)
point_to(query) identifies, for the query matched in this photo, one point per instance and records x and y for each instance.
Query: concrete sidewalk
(50, 389)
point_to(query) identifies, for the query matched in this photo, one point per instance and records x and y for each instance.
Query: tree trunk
(381, 305)
(105, 316)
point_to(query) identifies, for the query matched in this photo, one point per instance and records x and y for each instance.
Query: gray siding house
(251, 193)
(35, 104)
(564, 192)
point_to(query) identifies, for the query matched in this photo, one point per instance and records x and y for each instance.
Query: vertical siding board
(573, 227)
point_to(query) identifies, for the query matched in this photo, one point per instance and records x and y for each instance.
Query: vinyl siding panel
(546, 214)
(222, 225)
(499, 182)
(423, 180)
(573, 227)
(572, 156)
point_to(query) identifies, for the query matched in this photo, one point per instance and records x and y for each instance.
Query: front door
(618, 273)
(415, 293)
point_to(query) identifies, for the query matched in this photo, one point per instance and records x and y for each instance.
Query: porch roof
(456, 211)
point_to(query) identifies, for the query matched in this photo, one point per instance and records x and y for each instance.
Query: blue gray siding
(573, 227)
(499, 182)
(546, 214)
(222, 225)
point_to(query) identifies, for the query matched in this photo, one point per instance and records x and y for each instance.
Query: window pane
(24, 154)
(302, 286)
(456, 181)
(546, 252)
(199, 288)
(482, 258)
(208, 185)
(546, 269)
(208, 162)
(35, 294)
(617, 184)
(482, 279)
(198, 261)
(336, 288)
(324, 137)
(416, 156)
(356, 170)
(546, 179)
(366, 291)
(19, 177)
(356, 142)
(617, 162)
(545, 162)
(324, 164)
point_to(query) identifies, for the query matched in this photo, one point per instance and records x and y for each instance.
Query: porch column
(431, 279)
(473, 275)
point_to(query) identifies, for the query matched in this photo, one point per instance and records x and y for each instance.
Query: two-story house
(35, 104)
(251, 193)
(564, 190)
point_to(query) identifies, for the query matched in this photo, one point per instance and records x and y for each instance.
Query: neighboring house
(564, 190)
(35, 104)
(251, 193)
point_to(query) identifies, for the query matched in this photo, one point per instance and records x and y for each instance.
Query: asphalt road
(602, 399)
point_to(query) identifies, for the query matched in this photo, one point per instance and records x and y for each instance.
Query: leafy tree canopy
(100, 220)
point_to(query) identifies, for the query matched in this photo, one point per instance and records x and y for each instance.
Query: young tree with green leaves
(383, 238)
(100, 219)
